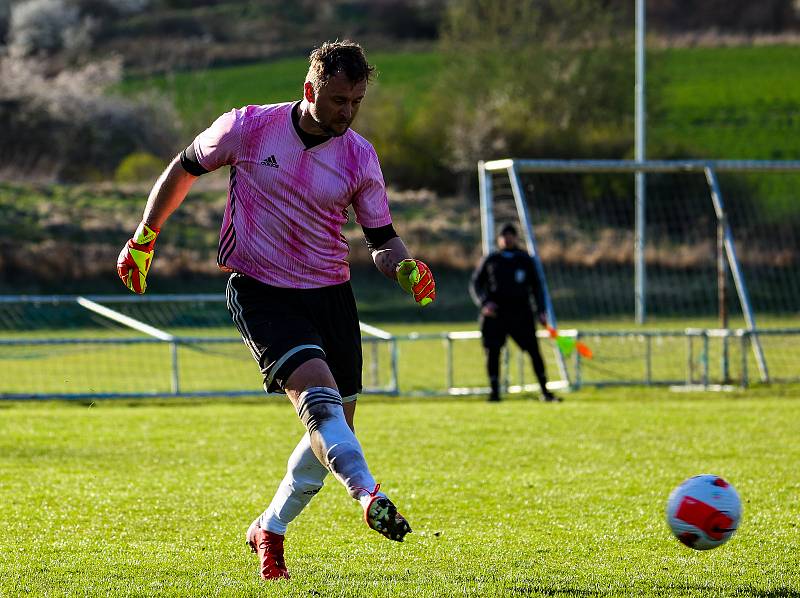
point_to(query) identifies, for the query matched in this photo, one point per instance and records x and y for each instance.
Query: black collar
(308, 139)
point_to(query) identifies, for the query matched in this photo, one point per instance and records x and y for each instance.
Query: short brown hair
(334, 57)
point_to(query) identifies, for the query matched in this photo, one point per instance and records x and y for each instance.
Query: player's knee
(318, 405)
(278, 374)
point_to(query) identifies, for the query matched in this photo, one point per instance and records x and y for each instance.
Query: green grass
(514, 499)
(727, 102)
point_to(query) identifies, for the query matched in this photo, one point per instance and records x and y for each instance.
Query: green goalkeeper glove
(136, 257)
(415, 278)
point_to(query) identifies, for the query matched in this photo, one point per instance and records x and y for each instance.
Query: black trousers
(520, 325)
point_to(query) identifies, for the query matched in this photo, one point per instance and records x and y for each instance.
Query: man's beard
(329, 131)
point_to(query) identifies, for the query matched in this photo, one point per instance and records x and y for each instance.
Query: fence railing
(113, 354)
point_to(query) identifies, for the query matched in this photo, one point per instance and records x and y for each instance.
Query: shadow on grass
(748, 590)
(561, 591)
(539, 590)
(585, 395)
(266, 400)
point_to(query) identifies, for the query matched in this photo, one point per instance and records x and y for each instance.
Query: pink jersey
(287, 204)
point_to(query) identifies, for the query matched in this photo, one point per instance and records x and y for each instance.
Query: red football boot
(269, 548)
(382, 516)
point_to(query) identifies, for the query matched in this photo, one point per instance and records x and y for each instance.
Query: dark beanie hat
(508, 228)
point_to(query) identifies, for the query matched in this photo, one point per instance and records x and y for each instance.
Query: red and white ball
(704, 511)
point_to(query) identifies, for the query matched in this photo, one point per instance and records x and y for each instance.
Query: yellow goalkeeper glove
(136, 257)
(415, 278)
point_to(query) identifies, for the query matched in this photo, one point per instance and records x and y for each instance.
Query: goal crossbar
(633, 166)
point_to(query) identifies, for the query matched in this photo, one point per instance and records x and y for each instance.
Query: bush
(66, 128)
(408, 142)
(44, 26)
(139, 167)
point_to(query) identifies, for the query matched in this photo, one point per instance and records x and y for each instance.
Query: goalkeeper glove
(415, 278)
(136, 257)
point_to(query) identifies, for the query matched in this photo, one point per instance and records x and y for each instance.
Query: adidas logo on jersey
(271, 161)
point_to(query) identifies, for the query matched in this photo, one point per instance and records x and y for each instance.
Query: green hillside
(738, 103)
(712, 102)
(200, 96)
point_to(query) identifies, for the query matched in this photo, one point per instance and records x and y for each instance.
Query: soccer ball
(704, 511)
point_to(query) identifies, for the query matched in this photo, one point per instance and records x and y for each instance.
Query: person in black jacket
(502, 286)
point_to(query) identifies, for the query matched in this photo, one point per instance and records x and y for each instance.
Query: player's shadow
(560, 591)
(537, 590)
(782, 592)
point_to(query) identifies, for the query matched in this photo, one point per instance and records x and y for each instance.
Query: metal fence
(80, 348)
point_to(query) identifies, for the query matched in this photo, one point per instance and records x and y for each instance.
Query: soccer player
(502, 286)
(295, 168)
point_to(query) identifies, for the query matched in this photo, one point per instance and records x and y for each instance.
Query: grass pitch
(513, 499)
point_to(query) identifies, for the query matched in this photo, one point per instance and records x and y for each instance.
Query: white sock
(303, 480)
(320, 409)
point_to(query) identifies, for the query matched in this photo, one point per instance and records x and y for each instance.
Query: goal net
(709, 245)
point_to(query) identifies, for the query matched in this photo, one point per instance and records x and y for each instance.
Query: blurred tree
(408, 140)
(535, 78)
(39, 27)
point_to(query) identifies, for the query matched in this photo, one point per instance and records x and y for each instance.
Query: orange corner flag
(567, 344)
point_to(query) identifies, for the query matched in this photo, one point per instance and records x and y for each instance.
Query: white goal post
(526, 197)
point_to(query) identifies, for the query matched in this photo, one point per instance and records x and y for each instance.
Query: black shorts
(519, 325)
(284, 328)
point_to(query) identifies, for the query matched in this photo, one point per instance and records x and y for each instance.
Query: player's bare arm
(167, 194)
